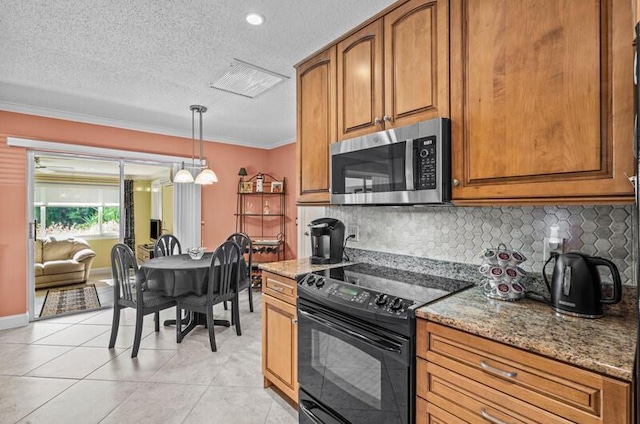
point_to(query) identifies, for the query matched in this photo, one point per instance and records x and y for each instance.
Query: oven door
(354, 372)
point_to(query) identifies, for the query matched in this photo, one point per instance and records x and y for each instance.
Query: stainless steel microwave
(404, 165)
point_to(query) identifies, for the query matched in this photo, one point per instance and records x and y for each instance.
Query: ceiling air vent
(247, 80)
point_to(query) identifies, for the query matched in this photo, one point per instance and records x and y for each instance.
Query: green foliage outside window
(78, 221)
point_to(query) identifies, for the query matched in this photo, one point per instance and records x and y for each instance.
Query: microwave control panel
(427, 163)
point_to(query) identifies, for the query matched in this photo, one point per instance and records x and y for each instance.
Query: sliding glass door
(81, 206)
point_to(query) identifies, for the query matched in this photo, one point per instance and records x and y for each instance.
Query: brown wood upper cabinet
(541, 101)
(316, 129)
(394, 71)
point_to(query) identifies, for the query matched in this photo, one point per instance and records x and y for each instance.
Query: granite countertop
(605, 345)
(294, 268)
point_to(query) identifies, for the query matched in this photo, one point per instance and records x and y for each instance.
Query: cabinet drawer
(561, 389)
(472, 401)
(427, 413)
(280, 287)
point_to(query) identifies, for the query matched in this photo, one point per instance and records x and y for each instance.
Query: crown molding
(128, 125)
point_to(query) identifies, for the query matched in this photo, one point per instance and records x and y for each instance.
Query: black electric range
(356, 342)
(383, 296)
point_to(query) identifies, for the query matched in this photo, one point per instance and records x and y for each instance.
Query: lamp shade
(183, 176)
(206, 177)
(242, 172)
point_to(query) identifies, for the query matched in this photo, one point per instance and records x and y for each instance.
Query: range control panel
(355, 296)
(427, 163)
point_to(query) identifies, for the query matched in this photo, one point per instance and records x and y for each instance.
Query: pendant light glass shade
(206, 177)
(183, 176)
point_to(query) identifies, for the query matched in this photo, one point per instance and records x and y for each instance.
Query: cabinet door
(280, 345)
(541, 100)
(316, 92)
(360, 82)
(416, 55)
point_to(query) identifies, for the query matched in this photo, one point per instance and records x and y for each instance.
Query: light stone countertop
(294, 268)
(605, 345)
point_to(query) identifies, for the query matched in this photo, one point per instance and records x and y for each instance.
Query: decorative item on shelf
(259, 183)
(277, 187)
(246, 187)
(205, 176)
(196, 253)
(504, 278)
(265, 210)
(243, 173)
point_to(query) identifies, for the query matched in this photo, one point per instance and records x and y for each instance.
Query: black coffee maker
(576, 288)
(327, 240)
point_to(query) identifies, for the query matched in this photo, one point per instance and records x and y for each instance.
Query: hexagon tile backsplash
(458, 234)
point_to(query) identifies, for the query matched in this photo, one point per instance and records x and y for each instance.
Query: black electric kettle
(576, 288)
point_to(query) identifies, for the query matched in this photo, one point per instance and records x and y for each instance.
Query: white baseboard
(14, 321)
(106, 270)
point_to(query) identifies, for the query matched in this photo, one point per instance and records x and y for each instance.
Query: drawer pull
(278, 289)
(487, 416)
(498, 372)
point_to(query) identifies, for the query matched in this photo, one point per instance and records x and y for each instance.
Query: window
(63, 209)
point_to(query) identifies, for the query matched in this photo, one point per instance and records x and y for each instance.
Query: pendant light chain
(201, 152)
(193, 137)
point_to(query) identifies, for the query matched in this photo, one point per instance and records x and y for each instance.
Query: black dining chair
(167, 245)
(129, 292)
(222, 286)
(244, 242)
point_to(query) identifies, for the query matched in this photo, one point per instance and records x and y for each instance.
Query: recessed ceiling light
(255, 19)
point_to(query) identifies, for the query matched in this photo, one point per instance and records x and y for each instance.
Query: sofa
(61, 262)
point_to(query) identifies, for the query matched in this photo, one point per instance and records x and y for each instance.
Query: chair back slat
(167, 245)
(246, 248)
(225, 269)
(123, 269)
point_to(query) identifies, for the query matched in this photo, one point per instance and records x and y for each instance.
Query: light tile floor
(60, 371)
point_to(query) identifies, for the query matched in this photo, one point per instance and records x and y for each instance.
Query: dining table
(180, 275)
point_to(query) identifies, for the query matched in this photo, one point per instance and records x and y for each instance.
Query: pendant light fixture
(206, 175)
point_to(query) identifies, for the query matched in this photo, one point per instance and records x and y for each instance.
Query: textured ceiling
(140, 63)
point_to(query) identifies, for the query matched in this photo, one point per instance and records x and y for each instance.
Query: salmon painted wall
(282, 164)
(218, 201)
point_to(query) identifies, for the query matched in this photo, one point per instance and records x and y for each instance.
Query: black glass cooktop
(420, 288)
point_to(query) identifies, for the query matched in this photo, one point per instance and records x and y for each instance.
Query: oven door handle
(306, 407)
(379, 344)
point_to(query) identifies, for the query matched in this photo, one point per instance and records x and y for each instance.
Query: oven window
(349, 369)
(379, 169)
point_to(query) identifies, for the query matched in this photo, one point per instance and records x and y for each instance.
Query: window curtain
(187, 213)
(129, 221)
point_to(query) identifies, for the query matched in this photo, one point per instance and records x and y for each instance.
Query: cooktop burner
(375, 293)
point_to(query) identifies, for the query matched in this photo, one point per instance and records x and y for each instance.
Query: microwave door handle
(408, 164)
(378, 344)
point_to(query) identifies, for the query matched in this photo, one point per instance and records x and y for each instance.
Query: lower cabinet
(280, 334)
(463, 378)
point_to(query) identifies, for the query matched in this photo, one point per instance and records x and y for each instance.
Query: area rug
(63, 300)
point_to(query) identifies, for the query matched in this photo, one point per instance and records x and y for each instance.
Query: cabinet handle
(498, 372)
(278, 289)
(487, 416)
(377, 121)
(387, 118)
(456, 183)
